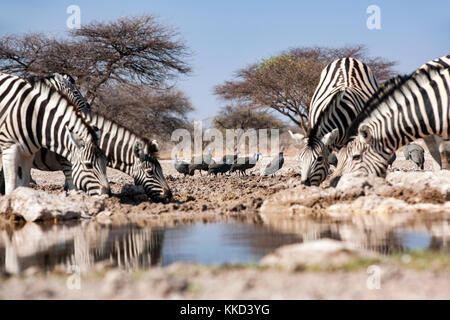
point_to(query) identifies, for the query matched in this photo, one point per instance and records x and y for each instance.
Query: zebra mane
(42, 85)
(384, 91)
(154, 153)
(312, 134)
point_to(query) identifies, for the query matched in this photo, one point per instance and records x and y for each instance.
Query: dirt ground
(207, 198)
(203, 197)
(186, 281)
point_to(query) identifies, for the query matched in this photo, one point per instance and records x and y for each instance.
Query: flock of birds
(235, 164)
(229, 163)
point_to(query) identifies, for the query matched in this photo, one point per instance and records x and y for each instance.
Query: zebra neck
(116, 141)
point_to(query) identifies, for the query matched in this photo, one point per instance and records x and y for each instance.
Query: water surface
(89, 245)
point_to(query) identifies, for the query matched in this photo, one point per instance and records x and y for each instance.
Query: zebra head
(314, 158)
(362, 155)
(65, 84)
(88, 162)
(148, 173)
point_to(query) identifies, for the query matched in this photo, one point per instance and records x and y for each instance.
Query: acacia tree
(148, 112)
(131, 59)
(286, 83)
(129, 50)
(244, 117)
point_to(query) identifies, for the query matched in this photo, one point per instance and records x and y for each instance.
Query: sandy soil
(186, 281)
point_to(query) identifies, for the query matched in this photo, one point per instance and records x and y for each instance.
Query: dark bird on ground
(415, 153)
(224, 166)
(200, 163)
(181, 166)
(244, 163)
(230, 158)
(276, 164)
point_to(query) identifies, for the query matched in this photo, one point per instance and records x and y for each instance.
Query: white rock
(439, 181)
(323, 252)
(35, 205)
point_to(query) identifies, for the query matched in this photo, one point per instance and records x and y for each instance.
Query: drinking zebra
(139, 161)
(344, 86)
(435, 145)
(34, 115)
(125, 151)
(404, 109)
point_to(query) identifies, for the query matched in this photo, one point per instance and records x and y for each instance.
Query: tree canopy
(126, 66)
(286, 82)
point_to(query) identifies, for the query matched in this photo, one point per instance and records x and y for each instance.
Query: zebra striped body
(65, 84)
(34, 116)
(344, 86)
(403, 110)
(125, 151)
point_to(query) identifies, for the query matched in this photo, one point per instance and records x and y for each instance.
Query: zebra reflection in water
(84, 247)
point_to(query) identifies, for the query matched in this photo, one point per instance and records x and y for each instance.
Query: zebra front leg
(10, 159)
(68, 184)
(433, 143)
(26, 163)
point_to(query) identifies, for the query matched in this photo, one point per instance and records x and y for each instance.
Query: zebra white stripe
(344, 86)
(34, 116)
(403, 110)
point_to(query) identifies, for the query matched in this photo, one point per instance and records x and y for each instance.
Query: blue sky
(227, 35)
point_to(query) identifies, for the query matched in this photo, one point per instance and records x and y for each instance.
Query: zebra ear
(76, 139)
(98, 132)
(69, 77)
(139, 150)
(301, 139)
(154, 146)
(330, 138)
(365, 136)
(33, 79)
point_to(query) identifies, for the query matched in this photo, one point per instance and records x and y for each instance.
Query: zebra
(434, 143)
(141, 163)
(34, 115)
(65, 84)
(404, 109)
(125, 150)
(345, 85)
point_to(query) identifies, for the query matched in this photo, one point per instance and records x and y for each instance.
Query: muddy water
(89, 246)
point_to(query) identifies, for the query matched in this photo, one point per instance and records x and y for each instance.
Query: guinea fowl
(276, 164)
(225, 166)
(200, 163)
(181, 166)
(415, 153)
(230, 158)
(242, 164)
